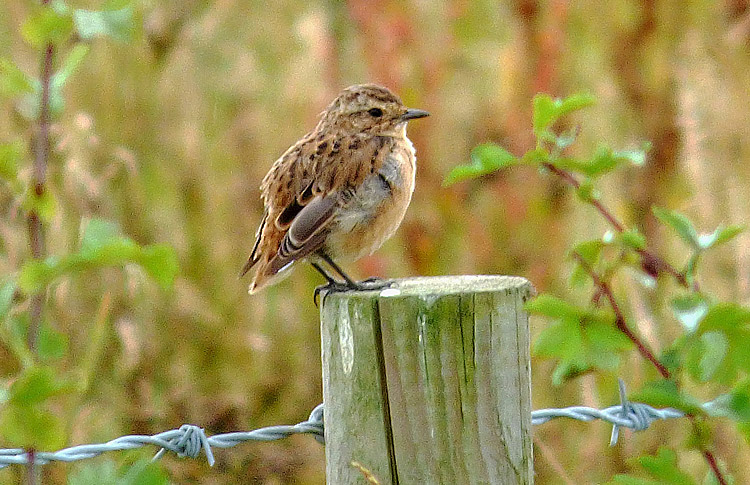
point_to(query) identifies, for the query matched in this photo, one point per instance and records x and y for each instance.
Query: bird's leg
(332, 284)
(330, 279)
(350, 282)
(368, 284)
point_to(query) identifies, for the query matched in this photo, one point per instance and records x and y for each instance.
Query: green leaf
(98, 233)
(602, 341)
(553, 307)
(52, 344)
(101, 245)
(706, 356)
(719, 236)
(161, 263)
(13, 81)
(76, 55)
(589, 250)
(33, 275)
(142, 472)
(14, 338)
(734, 405)
(95, 473)
(631, 480)
(663, 467)
(569, 369)
(733, 322)
(605, 337)
(587, 192)
(534, 157)
(43, 204)
(579, 277)
(689, 310)
(115, 24)
(680, 223)
(35, 386)
(634, 157)
(10, 156)
(562, 339)
(632, 239)
(728, 233)
(545, 113)
(485, 159)
(31, 427)
(725, 316)
(573, 103)
(604, 161)
(7, 290)
(547, 110)
(665, 393)
(30, 103)
(582, 341)
(46, 25)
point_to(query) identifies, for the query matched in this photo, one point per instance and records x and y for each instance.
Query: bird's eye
(375, 112)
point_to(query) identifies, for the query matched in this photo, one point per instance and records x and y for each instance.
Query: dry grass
(171, 135)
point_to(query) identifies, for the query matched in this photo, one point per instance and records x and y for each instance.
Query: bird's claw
(370, 284)
(328, 288)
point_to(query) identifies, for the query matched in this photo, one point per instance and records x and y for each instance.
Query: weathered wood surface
(429, 384)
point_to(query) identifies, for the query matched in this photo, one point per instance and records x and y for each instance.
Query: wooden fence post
(428, 382)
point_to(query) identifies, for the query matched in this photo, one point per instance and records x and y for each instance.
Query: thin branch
(572, 181)
(41, 146)
(652, 263)
(604, 289)
(37, 242)
(32, 471)
(711, 459)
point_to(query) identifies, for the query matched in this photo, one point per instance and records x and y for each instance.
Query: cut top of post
(451, 285)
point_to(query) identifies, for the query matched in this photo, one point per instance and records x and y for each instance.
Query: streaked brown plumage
(340, 191)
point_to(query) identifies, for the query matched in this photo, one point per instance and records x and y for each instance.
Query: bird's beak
(412, 114)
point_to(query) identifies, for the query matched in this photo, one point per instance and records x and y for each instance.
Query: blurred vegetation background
(171, 134)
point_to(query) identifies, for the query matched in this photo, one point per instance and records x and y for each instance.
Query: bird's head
(368, 108)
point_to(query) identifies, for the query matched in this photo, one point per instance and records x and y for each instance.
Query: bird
(338, 193)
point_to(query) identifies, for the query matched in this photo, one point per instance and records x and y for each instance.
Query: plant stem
(605, 290)
(711, 459)
(31, 469)
(652, 263)
(41, 150)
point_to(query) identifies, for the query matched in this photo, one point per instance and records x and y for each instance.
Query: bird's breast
(377, 206)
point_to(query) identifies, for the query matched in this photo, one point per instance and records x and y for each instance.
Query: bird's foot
(369, 284)
(328, 288)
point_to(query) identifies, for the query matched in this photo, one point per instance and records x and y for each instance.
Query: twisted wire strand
(190, 440)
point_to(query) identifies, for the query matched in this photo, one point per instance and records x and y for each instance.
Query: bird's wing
(307, 232)
(254, 255)
(324, 171)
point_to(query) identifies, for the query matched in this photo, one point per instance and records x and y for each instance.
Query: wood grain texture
(429, 384)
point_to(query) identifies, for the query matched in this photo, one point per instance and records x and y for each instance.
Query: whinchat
(341, 191)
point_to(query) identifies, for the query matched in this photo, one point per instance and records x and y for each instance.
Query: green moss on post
(429, 382)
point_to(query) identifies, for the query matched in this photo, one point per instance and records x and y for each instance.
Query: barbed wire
(190, 440)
